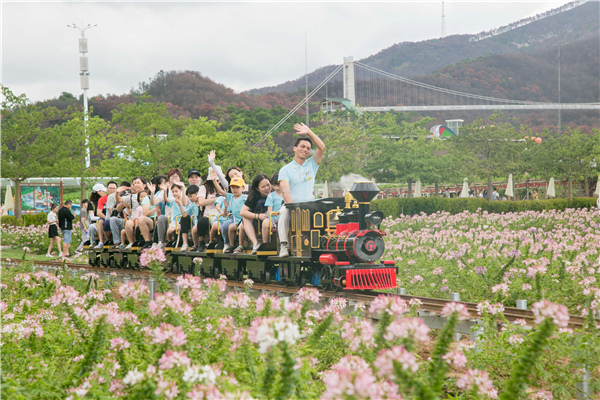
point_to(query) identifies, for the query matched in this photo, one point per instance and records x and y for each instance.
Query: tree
(152, 136)
(95, 134)
(401, 152)
(32, 140)
(344, 136)
(572, 156)
(489, 150)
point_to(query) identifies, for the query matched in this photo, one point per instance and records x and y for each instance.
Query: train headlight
(374, 218)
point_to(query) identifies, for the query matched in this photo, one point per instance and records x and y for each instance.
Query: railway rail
(430, 307)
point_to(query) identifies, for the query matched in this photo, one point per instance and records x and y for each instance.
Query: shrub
(27, 219)
(431, 205)
(11, 220)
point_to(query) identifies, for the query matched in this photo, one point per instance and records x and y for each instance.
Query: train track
(430, 306)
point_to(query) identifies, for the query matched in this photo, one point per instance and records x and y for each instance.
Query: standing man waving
(297, 179)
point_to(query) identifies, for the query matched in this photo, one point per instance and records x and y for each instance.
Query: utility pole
(84, 77)
(306, 75)
(559, 121)
(443, 21)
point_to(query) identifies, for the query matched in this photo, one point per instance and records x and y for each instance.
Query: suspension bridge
(367, 88)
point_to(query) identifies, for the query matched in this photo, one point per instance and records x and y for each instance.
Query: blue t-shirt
(274, 201)
(236, 206)
(220, 202)
(301, 179)
(191, 209)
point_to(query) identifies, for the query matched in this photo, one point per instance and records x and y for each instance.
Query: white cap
(99, 187)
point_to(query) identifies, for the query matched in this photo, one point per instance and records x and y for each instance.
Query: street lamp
(84, 77)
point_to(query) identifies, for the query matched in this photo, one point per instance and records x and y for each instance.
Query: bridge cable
(289, 114)
(422, 85)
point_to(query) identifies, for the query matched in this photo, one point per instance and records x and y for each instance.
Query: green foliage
(516, 385)
(431, 205)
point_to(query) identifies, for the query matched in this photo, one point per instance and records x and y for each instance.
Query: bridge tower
(349, 92)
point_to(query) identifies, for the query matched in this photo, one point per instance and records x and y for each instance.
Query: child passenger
(236, 200)
(187, 208)
(273, 204)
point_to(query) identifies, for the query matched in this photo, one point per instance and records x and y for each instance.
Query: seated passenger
(236, 200)
(254, 211)
(165, 201)
(232, 172)
(101, 211)
(224, 214)
(194, 177)
(273, 204)
(127, 202)
(206, 202)
(187, 209)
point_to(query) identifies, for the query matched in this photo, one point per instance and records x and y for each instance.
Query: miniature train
(335, 244)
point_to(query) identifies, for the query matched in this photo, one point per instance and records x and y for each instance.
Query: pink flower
(361, 333)
(526, 286)
(407, 328)
(189, 281)
(264, 299)
(351, 376)
(171, 359)
(134, 289)
(220, 284)
(308, 294)
(168, 300)
(202, 392)
(500, 287)
(491, 309)
(546, 309)
(152, 255)
(515, 339)
(65, 294)
(474, 378)
(542, 395)
(198, 296)
(168, 332)
(458, 308)
(456, 358)
(393, 305)
(167, 388)
(236, 300)
(119, 344)
(385, 359)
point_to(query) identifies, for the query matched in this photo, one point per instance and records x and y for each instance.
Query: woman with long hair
(254, 209)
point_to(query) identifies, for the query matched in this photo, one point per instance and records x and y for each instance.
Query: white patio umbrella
(9, 203)
(509, 186)
(464, 193)
(551, 190)
(597, 191)
(326, 190)
(417, 189)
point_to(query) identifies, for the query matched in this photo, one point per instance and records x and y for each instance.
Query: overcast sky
(242, 45)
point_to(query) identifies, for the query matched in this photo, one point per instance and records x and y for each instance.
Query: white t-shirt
(52, 218)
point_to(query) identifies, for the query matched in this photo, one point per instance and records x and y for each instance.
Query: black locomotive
(335, 243)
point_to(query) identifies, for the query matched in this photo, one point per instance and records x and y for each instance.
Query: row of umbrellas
(551, 191)
(9, 203)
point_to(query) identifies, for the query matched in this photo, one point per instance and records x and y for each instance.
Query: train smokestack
(364, 192)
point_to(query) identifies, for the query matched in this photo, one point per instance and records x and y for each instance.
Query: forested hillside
(410, 59)
(515, 63)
